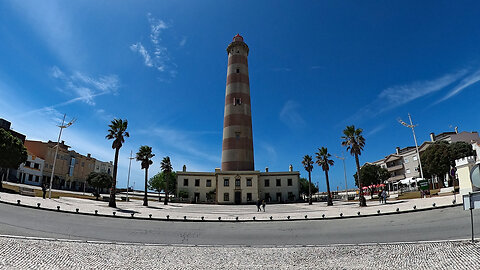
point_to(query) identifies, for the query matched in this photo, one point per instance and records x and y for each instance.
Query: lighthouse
(237, 145)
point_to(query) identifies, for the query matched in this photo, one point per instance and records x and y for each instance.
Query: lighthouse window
(238, 70)
(237, 101)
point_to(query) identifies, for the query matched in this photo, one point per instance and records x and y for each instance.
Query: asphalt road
(438, 224)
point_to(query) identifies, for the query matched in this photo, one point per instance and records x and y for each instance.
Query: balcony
(396, 178)
(395, 168)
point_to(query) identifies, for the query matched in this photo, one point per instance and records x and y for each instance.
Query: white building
(103, 167)
(31, 172)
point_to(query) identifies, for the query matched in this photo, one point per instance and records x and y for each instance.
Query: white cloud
(466, 82)
(138, 47)
(290, 116)
(183, 41)
(375, 130)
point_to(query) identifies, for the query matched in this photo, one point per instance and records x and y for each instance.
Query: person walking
(258, 205)
(44, 190)
(263, 205)
(384, 195)
(380, 196)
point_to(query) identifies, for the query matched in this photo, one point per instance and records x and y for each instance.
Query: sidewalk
(228, 212)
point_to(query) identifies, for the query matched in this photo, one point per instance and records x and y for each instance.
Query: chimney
(432, 137)
(89, 155)
(397, 149)
(266, 169)
(456, 130)
(184, 168)
(290, 168)
(63, 142)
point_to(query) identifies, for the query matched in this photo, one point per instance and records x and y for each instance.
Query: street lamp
(129, 166)
(344, 173)
(62, 126)
(412, 126)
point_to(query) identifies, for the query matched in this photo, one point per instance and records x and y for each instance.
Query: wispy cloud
(290, 116)
(183, 41)
(282, 69)
(374, 131)
(156, 55)
(464, 83)
(85, 87)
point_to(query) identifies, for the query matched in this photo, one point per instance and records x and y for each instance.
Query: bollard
(150, 215)
(168, 217)
(358, 213)
(271, 218)
(306, 216)
(58, 207)
(398, 209)
(378, 211)
(184, 217)
(76, 210)
(203, 218)
(236, 218)
(288, 217)
(253, 218)
(114, 213)
(323, 215)
(219, 218)
(132, 214)
(96, 212)
(18, 202)
(414, 207)
(433, 204)
(454, 201)
(38, 205)
(341, 214)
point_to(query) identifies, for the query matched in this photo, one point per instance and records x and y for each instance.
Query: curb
(234, 220)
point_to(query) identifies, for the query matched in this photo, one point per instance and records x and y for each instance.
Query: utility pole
(56, 151)
(412, 126)
(344, 173)
(129, 166)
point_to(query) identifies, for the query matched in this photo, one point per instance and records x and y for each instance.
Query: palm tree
(323, 160)
(145, 155)
(308, 165)
(355, 142)
(117, 133)
(166, 167)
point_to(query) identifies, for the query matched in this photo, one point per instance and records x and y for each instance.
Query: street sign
(423, 184)
(475, 176)
(471, 201)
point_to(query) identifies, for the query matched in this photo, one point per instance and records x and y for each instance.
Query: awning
(407, 181)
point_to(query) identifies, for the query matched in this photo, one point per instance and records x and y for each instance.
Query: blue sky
(315, 67)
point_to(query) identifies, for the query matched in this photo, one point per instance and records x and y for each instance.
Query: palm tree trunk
(145, 198)
(309, 187)
(113, 190)
(329, 195)
(357, 162)
(165, 202)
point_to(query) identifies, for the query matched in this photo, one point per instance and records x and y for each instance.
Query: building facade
(31, 172)
(237, 182)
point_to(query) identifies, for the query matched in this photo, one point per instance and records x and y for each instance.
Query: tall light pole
(344, 173)
(62, 126)
(129, 166)
(412, 126)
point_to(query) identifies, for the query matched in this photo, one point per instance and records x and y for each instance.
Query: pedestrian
(384, 195)
(258, 205)
(380, 197)
(263, 205)
(44, 190)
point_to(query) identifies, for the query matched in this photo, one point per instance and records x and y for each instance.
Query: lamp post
(62, 126)
(129, 166)
(344, 173)
(412, 126)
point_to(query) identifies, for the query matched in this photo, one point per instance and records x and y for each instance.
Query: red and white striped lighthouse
(237, 147)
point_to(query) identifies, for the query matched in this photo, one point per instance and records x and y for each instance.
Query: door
(196, 197)
(238, 197)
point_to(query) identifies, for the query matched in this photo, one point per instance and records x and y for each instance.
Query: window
(185, 182)
(267, 183)
(238, 70)
(249, 197)
(197, 182)
(267, 197)
(30, 177)
(37, 178)
(27, 163)
(406, 160)
(408, 170)
(237, 182)
(249, 182)
(226, 182)
(226, 196)
(415, 158)
(209, 183)
(416, 169)
(36, 165)
(279, 182)
(291, 197)
(289, 182)
(237, 101)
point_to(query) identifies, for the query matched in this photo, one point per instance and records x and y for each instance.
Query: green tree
(307, 187)
(460, 150)
(354, 141)
(98, 181)
(324, 161)
(371, 175)
(145, 155)
(308, 165)
(12, 153)
(436, 160)
(155, 183)
(159, 183)
(167, 169)
(117, 133)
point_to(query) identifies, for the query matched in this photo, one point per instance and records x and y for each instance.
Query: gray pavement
(18, 253)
